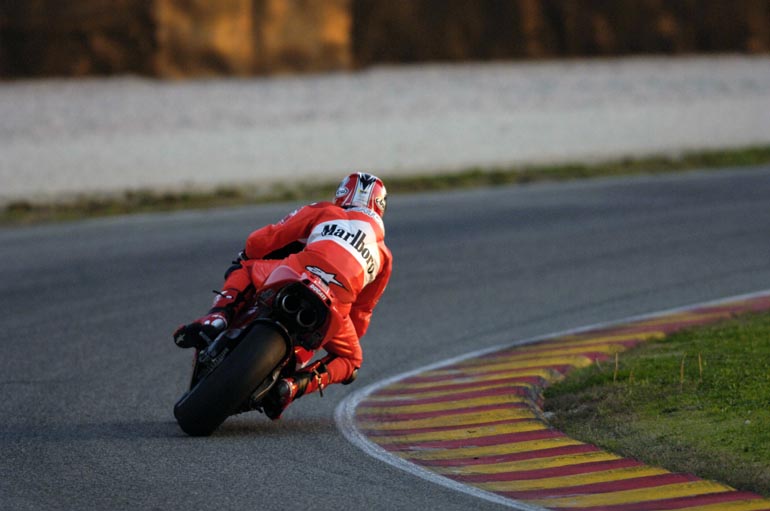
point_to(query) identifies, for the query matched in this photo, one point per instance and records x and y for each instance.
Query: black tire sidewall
(219, 394)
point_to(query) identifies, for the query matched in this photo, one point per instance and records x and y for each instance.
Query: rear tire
(217, 396)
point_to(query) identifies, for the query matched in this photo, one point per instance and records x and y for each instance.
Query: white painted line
(344, 414)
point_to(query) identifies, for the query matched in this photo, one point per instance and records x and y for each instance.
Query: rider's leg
(238, 286)
(340, 365)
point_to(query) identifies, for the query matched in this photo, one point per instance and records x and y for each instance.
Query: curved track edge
(443, 423)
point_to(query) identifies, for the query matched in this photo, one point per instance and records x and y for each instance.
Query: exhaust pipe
(291, 304)
(305, 314)
(307, 318)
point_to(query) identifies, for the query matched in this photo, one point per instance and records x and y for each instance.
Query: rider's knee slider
(352, 377)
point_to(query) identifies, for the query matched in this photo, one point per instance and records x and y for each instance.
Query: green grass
(697, 402)
(142, 201)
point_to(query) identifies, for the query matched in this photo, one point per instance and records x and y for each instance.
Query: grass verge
(141, 201)
(697, 401)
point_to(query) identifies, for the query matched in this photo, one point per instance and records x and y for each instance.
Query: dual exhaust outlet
(303, 312)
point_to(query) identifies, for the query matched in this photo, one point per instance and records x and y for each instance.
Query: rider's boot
(287, 390)
(201, 332)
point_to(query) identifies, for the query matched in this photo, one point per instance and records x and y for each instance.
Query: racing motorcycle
(272, 336)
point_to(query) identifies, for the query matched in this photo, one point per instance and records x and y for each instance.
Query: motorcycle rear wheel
(219, 394)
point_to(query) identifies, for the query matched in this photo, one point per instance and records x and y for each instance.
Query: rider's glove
(201, 332)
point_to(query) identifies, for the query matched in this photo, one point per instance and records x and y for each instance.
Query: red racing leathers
(346, 248)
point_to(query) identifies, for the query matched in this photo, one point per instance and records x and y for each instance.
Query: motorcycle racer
(341, 242)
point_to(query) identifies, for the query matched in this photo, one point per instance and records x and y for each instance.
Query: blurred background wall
(179, 38)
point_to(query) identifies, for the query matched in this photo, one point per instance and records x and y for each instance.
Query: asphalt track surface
(89, 374)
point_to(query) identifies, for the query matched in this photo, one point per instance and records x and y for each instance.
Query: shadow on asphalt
(255, 426)
(92, 431)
